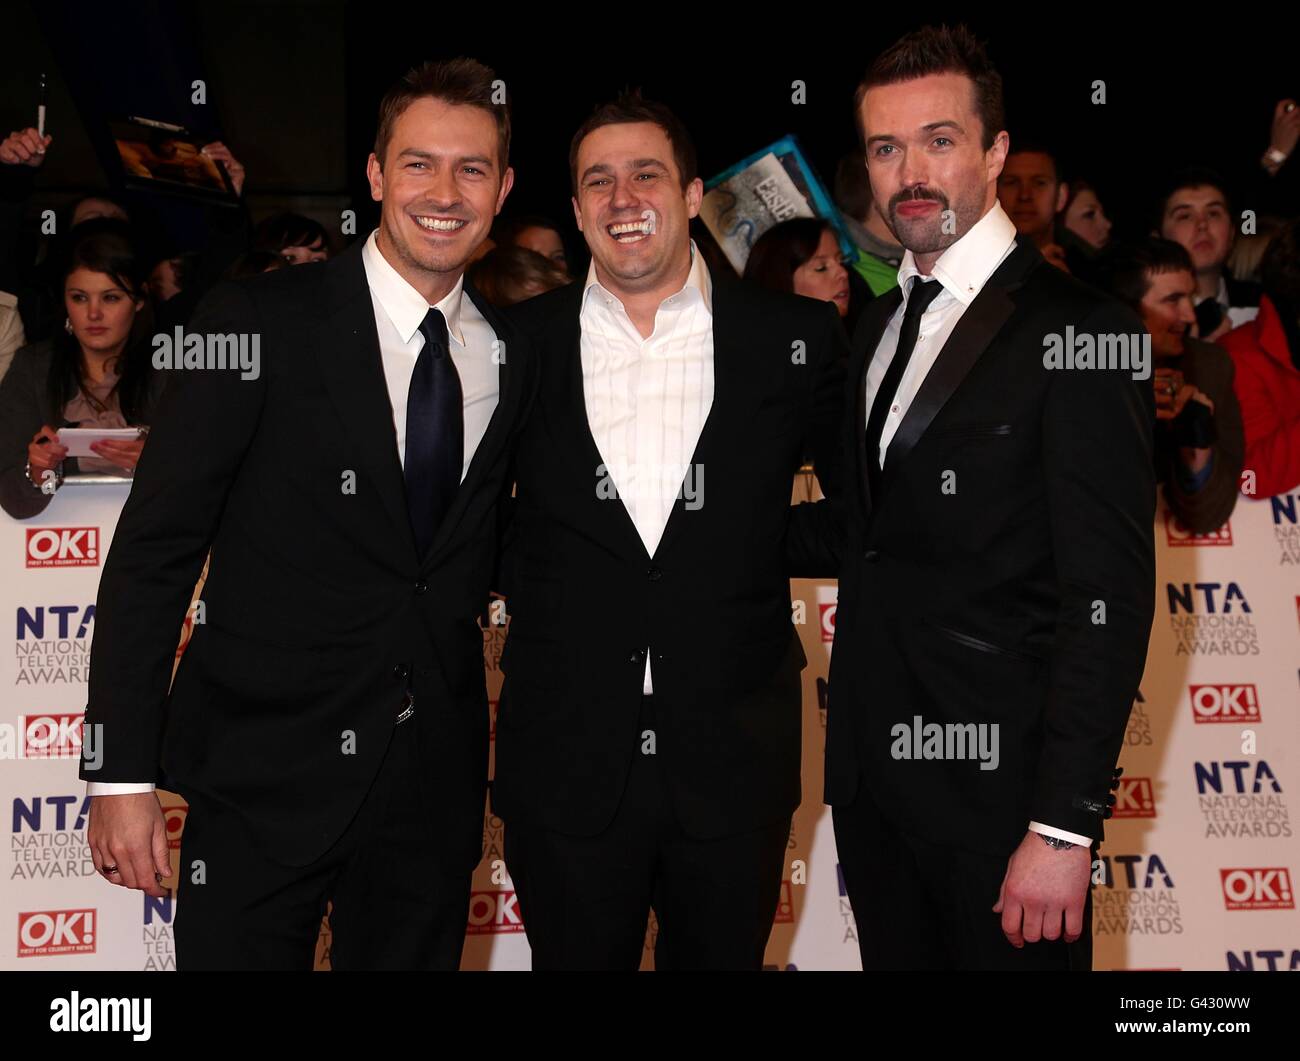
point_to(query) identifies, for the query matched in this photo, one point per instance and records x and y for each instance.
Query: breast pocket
(973, 431)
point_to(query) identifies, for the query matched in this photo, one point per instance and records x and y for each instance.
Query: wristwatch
(1057, 842)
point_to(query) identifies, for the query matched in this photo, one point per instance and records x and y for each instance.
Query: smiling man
(994, 551)
(649, 727)
(328, 723)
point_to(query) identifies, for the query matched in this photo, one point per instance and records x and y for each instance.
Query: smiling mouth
(439, 224)
(630, 231)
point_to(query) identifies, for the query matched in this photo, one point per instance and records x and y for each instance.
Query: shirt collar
(699, 284)
(965, 267)
(405, 306)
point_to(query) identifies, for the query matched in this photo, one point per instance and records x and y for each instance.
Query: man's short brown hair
(465, 82)
(941, 50)
(630, 108)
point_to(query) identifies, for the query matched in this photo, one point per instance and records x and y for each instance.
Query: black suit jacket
(978, 602)
(713, 603)
(320, 616)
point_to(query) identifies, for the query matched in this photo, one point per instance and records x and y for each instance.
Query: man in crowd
(648, 735)
(328, 724)
(994, 552)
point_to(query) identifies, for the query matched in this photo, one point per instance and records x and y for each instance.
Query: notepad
(78, 439)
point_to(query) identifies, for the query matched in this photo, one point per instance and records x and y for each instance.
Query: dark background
(293, 86)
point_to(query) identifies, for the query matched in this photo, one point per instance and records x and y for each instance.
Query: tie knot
(434, 330)
(922, 293)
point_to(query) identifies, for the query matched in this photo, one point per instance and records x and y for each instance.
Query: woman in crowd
(96, 372)
(801, 256)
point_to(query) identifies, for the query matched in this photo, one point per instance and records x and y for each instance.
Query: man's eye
(942, 141)
(474, 170)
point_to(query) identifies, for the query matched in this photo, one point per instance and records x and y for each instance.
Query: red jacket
(1268, 390)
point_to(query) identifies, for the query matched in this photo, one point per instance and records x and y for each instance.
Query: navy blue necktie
(435, 433)
(919, 298)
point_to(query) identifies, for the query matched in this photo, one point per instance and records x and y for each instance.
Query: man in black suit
(648, 735)
(328, 723)
(993, 546)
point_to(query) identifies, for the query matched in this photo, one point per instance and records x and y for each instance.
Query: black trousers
(395, 906)
(922, 906)
(585, 900)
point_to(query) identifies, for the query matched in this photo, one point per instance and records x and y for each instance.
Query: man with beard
(994, 551)
(328, 723)
(648, 734)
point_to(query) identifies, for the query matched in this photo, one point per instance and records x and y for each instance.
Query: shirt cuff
(117, 788)
(1060, 834)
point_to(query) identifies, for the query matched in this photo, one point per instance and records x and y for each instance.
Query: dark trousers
(395, 905)
(585, 899)
(921, 906)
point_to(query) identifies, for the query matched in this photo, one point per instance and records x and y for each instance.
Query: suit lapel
(975, 330)
(353, 372)
(866, 339)
(735, 390)
(510, 380)
(613, 519)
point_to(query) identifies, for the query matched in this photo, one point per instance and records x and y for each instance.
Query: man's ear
(577, 212)
(375, 175)
(694, 197)
(507, 182)
(1062, 196)
(996, 156)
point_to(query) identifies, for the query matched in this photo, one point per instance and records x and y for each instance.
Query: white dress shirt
(399, 311)
(962, 269)
(647, 398)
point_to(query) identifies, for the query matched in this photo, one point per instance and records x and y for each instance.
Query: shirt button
(422, 586)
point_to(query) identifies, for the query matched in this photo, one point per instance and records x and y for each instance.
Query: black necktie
(435, 433)
(921, 295)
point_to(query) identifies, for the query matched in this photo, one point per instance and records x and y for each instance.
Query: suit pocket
(980, 645)
(973, 431)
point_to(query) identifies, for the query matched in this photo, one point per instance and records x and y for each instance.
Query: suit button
(638, 656)
(654, 574)
(871, 556)
(422, 586)
(401, 672)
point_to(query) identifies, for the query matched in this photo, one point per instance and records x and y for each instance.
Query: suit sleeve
(204, 424)
(21, 404)
(1098, 465)
(815, 534)
(1209, 507)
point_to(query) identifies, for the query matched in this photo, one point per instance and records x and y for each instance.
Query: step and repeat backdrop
(1198, 869)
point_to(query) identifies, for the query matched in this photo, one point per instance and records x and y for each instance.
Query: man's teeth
(630, 231)
(435, 224)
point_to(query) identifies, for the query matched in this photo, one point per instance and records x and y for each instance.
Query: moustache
(911, 194)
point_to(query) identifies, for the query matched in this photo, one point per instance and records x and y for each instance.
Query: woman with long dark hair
(95, 373)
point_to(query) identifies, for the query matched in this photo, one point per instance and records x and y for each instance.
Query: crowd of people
(1216, 284)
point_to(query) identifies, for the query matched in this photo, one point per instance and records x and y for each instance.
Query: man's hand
(24, 147)
(1041, 887)
(219, 152)
(128, 841)
(1286, 126)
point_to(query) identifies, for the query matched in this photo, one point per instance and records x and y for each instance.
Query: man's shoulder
(541, 313)
(1055, 291)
